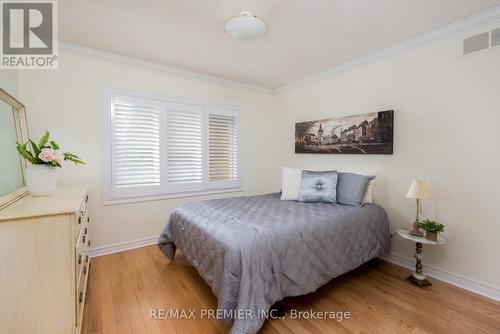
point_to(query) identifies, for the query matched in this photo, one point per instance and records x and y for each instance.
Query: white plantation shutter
(135, 146)
(223, 148)
(158, 147)
(184, 142)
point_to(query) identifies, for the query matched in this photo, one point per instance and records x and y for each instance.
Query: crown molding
(450, 30)
(447, 31)
(137, 62)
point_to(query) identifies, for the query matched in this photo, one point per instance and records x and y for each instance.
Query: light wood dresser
(44, 263)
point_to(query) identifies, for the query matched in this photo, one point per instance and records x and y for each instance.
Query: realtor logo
(29, 34)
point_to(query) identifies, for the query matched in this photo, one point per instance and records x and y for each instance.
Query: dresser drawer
(82, 215)
(83, 235)
(81, 293)
(81, 246)
(79, 263)
(82, 261)
(84, 268)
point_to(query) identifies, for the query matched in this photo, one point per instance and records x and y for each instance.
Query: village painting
(359, 134)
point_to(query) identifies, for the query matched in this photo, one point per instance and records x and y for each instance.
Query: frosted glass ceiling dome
(246, 26)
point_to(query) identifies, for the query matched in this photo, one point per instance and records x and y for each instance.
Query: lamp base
(416, 223)
(419, 281)
(416, 233)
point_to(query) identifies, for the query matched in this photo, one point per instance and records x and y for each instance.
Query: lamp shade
(419, 189)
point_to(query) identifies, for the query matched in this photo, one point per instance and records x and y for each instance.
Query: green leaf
(75, 161)
(25, 153)
(73, 158)
(54, 145)
(431, 226)
(36, 150)
(31, 157)
(44, 139)
(21, 151)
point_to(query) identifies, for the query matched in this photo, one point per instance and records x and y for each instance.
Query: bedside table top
(406, 234)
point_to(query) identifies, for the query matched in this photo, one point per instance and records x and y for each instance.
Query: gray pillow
(351, 188)
(318, 187)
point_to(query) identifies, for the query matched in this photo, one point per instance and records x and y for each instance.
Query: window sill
(169, 196)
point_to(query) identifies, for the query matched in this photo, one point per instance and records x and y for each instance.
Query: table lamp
(418, 190)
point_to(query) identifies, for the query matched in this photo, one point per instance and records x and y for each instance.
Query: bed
(254, 251)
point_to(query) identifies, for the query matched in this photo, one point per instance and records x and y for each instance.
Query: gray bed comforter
(254, 251)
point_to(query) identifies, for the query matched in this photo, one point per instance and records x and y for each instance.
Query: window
(163, 148)
(222, 149)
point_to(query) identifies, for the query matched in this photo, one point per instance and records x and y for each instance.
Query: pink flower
(47, 155)
(58, 157)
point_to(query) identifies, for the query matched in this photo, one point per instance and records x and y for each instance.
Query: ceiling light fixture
(246, 26)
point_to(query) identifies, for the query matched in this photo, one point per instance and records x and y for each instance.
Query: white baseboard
(453, 279)
(123, 246)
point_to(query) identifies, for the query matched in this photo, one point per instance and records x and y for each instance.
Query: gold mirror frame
(22, 135)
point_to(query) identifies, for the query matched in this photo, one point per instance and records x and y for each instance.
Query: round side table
(418, 277)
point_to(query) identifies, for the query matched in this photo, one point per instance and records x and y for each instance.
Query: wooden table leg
(418, 277)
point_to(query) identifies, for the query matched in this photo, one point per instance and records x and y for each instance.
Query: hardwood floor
(124, 287)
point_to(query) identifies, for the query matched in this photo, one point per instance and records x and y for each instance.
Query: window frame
(110, 196)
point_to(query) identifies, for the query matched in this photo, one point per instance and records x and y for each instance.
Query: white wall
(447, 117)
(70, 102)
(8, 81)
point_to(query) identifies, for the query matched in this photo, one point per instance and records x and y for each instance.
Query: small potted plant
(45, 157)
(431, 228)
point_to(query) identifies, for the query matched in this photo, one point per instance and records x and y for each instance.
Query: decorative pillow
(319, 186)
(290, 183)
(351, 188)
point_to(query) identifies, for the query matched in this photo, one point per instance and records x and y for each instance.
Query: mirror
(12, 127)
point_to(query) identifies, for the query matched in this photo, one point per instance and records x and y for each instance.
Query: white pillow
(368, 194)
(291, 179)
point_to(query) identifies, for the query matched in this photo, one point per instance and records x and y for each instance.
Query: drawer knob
(88, 243)
(80, 220)
(79, 258)
(86, 259)
(85, 230)
(85, 270)
(87, 199)
(80, 297)
(84, 238)
(88, 219)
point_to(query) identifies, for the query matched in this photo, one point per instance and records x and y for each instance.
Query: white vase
(41, 180)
